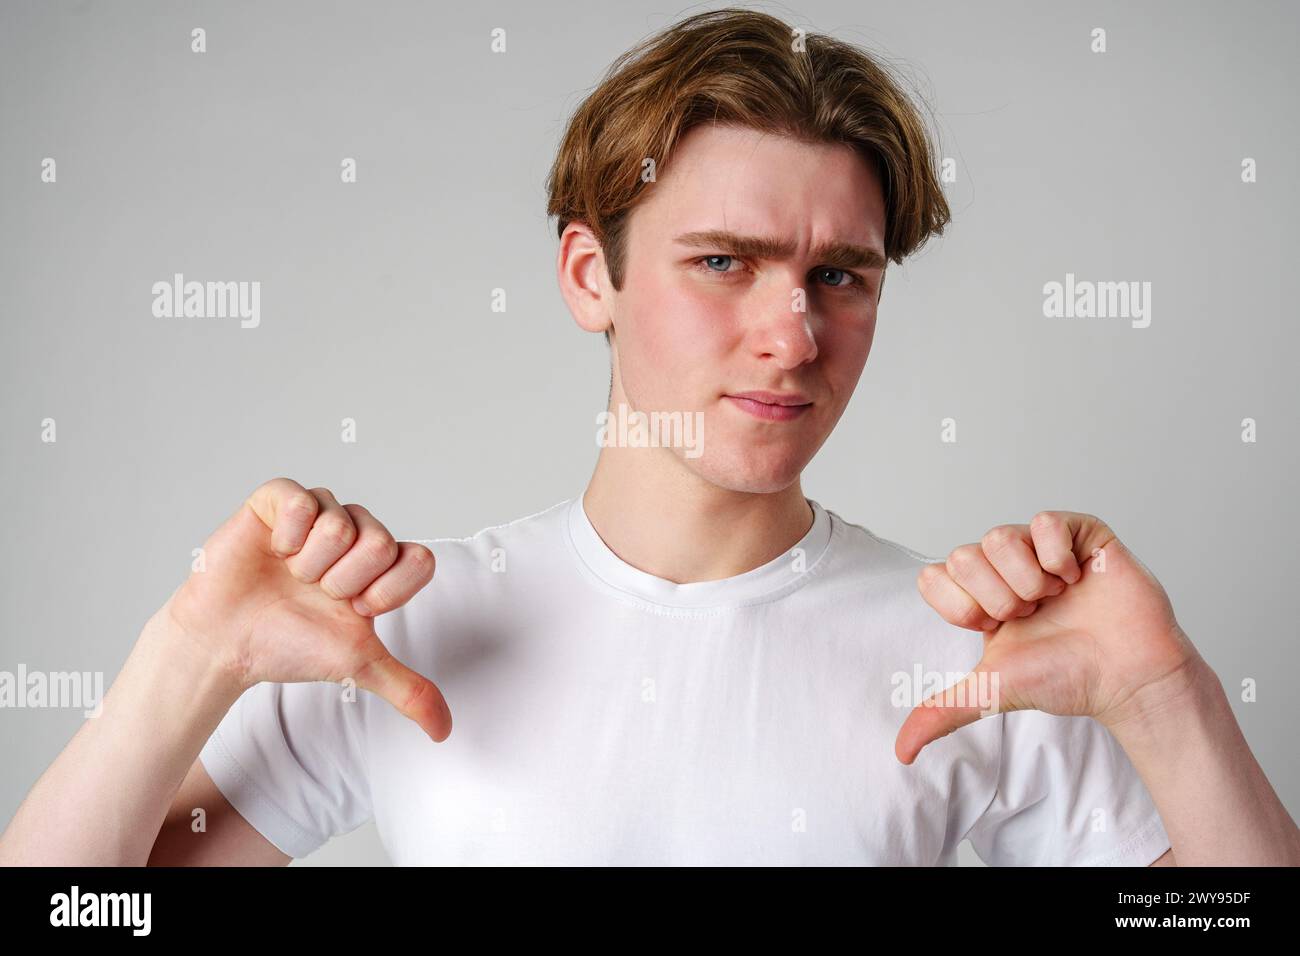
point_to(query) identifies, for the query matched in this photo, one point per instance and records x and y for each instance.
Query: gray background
(1121, 166)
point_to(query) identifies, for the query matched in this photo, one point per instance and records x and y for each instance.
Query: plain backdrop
(376, 300)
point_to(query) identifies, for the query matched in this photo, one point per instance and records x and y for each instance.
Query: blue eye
(706, 263)
(848, 275)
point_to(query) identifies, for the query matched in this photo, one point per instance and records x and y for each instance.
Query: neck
(662, 518)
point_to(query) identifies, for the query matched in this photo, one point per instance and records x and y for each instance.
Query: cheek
(675, 336)
(844, 350)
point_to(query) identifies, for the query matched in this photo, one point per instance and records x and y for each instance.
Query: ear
(584, 278)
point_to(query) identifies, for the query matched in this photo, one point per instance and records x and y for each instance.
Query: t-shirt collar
(785, 571)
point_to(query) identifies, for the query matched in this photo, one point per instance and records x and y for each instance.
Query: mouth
(771, 406)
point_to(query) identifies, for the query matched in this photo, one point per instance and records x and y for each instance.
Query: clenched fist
(1074, 625)
(291, 584)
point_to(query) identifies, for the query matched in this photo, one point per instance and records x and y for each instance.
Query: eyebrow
(837, 255)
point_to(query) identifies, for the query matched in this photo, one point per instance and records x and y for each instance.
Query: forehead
(751, 182)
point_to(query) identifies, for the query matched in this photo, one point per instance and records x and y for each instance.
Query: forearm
(1217, 806)
(103, 800)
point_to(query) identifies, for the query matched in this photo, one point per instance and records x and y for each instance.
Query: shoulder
(483, 576)
(492, 547)
(876, 578)
(483, 583)
(872, 559)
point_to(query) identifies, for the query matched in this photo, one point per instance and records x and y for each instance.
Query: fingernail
(361, 607)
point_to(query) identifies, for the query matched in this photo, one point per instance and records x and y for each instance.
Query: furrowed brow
(837, 255)
(846, 255)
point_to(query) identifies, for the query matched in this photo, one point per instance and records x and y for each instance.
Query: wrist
(193, 657)
(1169, 708)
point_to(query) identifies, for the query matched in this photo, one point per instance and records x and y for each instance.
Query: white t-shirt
(603, 715)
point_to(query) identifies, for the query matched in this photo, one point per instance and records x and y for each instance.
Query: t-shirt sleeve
(1067, 796)
(290, 759)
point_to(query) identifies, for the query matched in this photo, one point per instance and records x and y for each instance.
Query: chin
(748, 471)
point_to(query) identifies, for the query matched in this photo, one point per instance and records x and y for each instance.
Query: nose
(782, 333)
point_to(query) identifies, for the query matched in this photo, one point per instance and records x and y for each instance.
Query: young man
(692, 662)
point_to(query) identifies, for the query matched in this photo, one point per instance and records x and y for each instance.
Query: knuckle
(281, 482)
(365, 663)
(336, 531)
(324, 494)
(422, 560)
(298, 504)
(1045, 519)
(999, 539)
(379, 549)
(414, 694)
(963, 559)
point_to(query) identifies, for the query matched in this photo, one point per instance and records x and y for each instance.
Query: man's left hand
(1074, 625)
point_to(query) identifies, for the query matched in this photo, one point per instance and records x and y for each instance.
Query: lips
(773, 398)
(771, 406)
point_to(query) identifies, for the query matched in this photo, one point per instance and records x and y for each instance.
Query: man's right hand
(290, 586)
